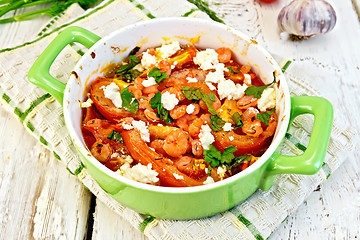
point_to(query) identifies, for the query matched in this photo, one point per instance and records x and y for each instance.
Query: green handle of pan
(312, 159)
(39, 73)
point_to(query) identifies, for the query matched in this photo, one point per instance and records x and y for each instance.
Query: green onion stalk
(54, 9)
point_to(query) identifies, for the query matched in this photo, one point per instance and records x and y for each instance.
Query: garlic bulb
(306, 18)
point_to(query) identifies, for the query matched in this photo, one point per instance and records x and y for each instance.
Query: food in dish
(178, 116)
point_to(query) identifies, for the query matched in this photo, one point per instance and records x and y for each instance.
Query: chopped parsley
(162, 113)
(196, 94)
(214, 157)
(133, 61)
(129, 76)
(216, 122)
(158, 75)
(208, 99)
(192, 93)
(116, 136)
(129, 102)
(237, 120)
(265, 116)
(257, 91)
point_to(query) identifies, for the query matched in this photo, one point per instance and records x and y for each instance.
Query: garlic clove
(306, 18)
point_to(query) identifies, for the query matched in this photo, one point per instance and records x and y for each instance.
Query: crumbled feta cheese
(228, 89)
(147, 60)
(206, 59)
(221, 170)
(86, 104)
(139, 173)
(211, 87)
(190, 108)
(149, 82)
(167, 50)
(231, 138)
(208, 180)
(177, 176)
(205, 136)
(267, 99)
(127, 126)
(159, 124)
(190, 79)
(227, 127)
(144, 131)
(215, 77)
(169, 100)
(111, 92)
(247, 79)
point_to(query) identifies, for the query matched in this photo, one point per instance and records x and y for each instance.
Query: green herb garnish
(265, 116)
(129, 76)
(192, 93)
(208, 99)
(237, 120)
(239, 160)
(133, 61)
(129, 102)
(214, 157)
(53, 8)
(158, 75)
(232, 70)
(216, 122)
(162, 113)
(116, 136)
(257, 91)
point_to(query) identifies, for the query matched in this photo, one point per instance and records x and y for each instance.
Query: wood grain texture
(109, 225)
(39, 199)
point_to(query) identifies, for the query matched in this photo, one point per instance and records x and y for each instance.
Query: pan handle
(39, 73)
(312, 159)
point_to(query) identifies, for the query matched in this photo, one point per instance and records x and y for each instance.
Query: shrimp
(144, 103)
(196, 148)
(246, 102)
(150, 114)
(176, 143)
(178, 111)
(175, 90)
(150, 89)
(164, 66)
(101, 151)
(185, 121)
(216, 104)
(195, 126)
(192, 167)
(224, 54)
(252, 126)
(158, 145)
(196, 109)
(136, 91)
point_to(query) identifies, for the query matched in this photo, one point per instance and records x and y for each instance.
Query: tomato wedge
(244, 143)
(165, 167)
(105, 106)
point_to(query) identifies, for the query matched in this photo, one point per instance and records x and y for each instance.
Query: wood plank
(39, 199)
(109, 225)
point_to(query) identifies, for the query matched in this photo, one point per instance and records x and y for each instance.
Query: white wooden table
(34, 185)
